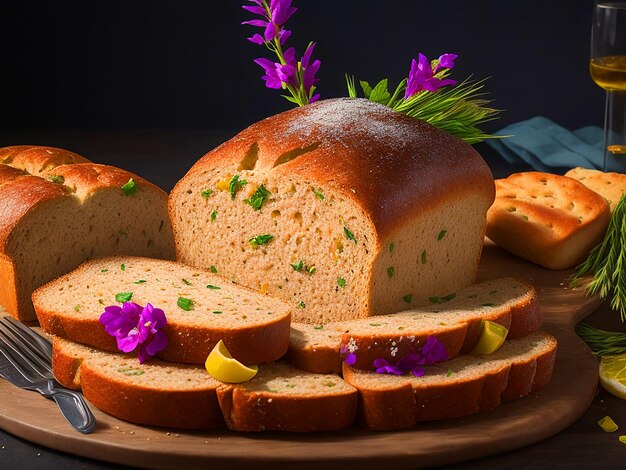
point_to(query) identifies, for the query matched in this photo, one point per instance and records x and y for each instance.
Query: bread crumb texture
(343, 209)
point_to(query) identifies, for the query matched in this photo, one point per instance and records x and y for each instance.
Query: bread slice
(550, 220)
(283, 398)
(156, 393)
(255, 328)
(459, 387)
(349, 209)
(611, 186)
(455, 322)
(59, 210)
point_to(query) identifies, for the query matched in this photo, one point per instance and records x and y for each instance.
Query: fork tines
(21, 349)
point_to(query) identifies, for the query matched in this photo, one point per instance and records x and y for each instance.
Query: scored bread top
(548, 219)
(389, 164)
(254, 328)
(611, 186)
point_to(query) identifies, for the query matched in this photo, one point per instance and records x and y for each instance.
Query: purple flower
(421, 75)
(308, 78)
(134, 326)
(281, 11)
(446, 61)
(432, 352)
(283, 36)
(277, 74)
(350, 359)
(383, 367)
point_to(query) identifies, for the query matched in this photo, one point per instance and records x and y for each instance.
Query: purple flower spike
(136, 327)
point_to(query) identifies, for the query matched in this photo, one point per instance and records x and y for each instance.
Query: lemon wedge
(613, 375)
(221, 365)
(491, 338)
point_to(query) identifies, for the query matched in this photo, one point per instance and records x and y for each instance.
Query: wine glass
(608, 70)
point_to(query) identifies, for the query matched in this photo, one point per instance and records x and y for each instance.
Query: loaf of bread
(283, 398)
(343, 208)
(58, 210)
(156, 393)
(254, 328)
(611, 186)
(550, 220)
(459, 387)
(454, 321)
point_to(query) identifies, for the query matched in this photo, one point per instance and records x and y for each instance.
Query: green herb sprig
(457, 110)
(602, 342)
(607, 263)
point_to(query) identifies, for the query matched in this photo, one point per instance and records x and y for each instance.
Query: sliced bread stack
(159, 393)
(281, 396)
(58, 209)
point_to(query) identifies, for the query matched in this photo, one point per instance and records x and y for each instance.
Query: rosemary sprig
(457, 110)
(602, 342)
(607, 263)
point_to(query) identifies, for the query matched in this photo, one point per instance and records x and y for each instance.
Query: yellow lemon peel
(613, 375)
(491, 338)
(222, 366)
(607, 424)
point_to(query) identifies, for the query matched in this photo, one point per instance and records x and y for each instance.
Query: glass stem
(615, 132)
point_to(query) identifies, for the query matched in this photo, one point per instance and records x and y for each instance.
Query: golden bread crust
(611, 186)
(382, 160)
(547, 219)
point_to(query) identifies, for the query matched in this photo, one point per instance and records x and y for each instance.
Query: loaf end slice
(156, 393)
(459, 387)
(59, 210)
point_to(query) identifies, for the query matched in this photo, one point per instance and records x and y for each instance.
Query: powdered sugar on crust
(341, 119)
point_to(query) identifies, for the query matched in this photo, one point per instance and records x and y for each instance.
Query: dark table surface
(163, 157)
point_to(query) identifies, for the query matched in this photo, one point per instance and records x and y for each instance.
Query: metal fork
(26, 360)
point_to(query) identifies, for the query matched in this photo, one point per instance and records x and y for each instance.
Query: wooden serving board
(512, 425)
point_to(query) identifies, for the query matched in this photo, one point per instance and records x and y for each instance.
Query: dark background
(187, 65)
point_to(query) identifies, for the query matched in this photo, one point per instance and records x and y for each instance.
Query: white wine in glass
(608, 70)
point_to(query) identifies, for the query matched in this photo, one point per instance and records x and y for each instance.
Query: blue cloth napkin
(544, 145)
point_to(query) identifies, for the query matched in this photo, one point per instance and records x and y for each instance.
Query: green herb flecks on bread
(201, 308)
